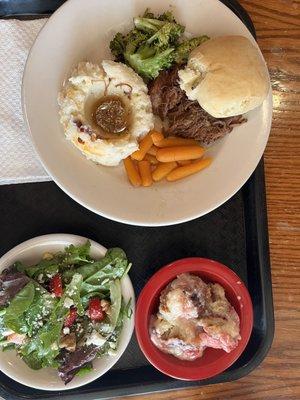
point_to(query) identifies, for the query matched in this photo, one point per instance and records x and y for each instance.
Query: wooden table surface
(277, 23)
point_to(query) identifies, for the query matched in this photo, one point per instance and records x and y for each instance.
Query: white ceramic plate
(30, 252)
(81, 30)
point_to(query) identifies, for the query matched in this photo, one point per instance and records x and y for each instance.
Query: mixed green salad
(155, 43)
(64, 311)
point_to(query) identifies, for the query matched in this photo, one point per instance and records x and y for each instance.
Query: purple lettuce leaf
(72, 362)
(11, 282)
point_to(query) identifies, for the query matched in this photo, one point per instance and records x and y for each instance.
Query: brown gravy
(110, 117)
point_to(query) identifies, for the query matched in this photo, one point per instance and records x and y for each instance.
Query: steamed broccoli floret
(117, 46)
(149, 46)
(148, 14)
(149, 25)
(149, 67)
(167, 35)
(183, 50)
(134, 40)
(167, 16)
(145, 58)
(152, 25)
(153, 44)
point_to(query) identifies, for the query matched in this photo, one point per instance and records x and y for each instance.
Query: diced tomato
(56, 285)
(96, 312)
(71, 317)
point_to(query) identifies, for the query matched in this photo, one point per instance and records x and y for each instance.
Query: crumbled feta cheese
(40, 278)
(79, 328)
(68, 302)
(104, 328)
(95, 338)
(54, 346)
(105, 306)
(111, 352)
(66, 330)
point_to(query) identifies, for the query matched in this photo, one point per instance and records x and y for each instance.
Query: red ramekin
(213, 361)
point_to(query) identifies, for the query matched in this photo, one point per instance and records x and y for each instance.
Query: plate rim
(142, 221)
(65, 238)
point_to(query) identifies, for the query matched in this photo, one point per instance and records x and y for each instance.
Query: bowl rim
(65, 239)
(198, 266)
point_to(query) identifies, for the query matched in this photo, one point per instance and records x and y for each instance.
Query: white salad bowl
(30, 252)
(81, 31)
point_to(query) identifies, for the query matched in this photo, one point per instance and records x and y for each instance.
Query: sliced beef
(165, 92)
(72, 362)
(11, 282)
(183, 117)
(189, 120)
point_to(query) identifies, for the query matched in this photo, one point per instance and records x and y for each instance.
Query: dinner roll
(226, 75)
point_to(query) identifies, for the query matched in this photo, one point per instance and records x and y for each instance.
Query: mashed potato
(90, 83)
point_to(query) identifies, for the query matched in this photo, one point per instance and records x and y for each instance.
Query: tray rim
(254, 190)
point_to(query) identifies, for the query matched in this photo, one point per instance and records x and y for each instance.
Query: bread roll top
(227, 75)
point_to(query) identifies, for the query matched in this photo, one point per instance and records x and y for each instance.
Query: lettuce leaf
(42, 349)
(85, 370)
(13, 318)
(11, 282)
(98, 276)
(73, 255)
(116, 301)
(113, 265)
(112, 342)
(28, 309)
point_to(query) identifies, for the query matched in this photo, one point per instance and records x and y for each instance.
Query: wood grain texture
(278, 29)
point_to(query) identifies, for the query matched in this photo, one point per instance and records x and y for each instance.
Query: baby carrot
(152, 151)
(162, 170)
(144, 146)
(179, 153)
(145, 172)
(176, 141)
(152, 160)
(132, 172)
(157, 137)
(184, 162)
(186, 170)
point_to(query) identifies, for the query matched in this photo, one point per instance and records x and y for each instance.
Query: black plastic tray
(234, 234)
